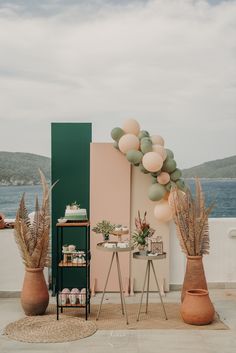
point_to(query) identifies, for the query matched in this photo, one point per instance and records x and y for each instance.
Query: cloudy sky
(171, 64)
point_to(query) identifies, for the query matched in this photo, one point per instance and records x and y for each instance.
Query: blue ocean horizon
(221, 192)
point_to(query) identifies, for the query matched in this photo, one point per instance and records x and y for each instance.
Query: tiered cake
(73, 212)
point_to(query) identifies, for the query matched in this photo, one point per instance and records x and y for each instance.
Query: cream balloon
(131, 126)
(157, 140)
(152, 161)
(163, 178)
(161, 150)
(128, 142)
(162, 211)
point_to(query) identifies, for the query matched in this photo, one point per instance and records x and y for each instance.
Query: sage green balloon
(142, 169)
(153, 180)
(169, 165)
(146, 139)
(134, 156)
(155, 174)
(169, 153)
(117, 133)
(181, 185)
(143, 133)
(146, 147)
(170, 185)
(156, 192)
(116, 145)
(176, 174)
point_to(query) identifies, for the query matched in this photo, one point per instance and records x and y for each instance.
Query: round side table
(115, 253)
(149, 258)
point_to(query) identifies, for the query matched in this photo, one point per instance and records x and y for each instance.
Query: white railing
(11, 266)
(220, 264)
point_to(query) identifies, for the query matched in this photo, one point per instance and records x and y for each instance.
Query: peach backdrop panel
(110, 175)
(139, 201)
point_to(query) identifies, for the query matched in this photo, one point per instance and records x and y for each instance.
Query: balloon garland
(151, 157)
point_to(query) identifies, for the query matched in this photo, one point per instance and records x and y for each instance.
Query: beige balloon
(128, 142)
(161, 150)
(162, 211)
(131, 126)
(163, 178)
(157, 140)
(152, 161)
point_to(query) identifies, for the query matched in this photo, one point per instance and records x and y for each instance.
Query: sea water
(10, 197)
(222, 192)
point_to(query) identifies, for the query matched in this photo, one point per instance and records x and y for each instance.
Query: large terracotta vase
(197, 308)
(34, 295)
(194, 276)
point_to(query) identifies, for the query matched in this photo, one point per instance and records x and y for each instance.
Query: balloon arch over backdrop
(147, 152)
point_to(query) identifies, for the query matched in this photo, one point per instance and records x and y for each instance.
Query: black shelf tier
(60, 235)
(70, 264)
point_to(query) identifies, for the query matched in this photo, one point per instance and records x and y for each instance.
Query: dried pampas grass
(191, 218)
(32, 238)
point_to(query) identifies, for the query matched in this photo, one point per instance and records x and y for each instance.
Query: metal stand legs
(159, 291)
(121, 289)
(147, 279)
(122, 298)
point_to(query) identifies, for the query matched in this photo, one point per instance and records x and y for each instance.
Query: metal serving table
(115, 253)
(149, 258)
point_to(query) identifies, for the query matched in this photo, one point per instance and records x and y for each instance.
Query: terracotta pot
(197, 308)
(2, 223)
(34, 295)
(194, 275)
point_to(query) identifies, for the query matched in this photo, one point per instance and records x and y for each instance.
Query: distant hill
(18, 168)
(220, 168)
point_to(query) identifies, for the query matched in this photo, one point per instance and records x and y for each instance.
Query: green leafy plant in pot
(142, 232)
(32, 238)
(105, 228)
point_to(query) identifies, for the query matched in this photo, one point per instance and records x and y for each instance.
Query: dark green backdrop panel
(70, 165)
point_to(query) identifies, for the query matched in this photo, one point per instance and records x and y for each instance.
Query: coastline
(215, 179)
(49, 181)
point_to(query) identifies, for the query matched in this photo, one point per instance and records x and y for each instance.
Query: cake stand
(119, 234)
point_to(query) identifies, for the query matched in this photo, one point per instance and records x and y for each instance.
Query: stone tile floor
(138, 341)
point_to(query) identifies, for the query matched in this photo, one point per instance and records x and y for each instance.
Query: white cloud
(170, 64)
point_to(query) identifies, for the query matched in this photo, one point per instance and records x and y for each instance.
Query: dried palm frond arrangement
(32, 238)
(191, 219)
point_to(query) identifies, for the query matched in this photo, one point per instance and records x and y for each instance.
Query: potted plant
(191, 218)
(142, 232)
(32, 239)
(105, 228)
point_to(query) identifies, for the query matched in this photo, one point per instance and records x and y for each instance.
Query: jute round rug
(46, 329)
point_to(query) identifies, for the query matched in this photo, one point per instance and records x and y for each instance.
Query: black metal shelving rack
(62, 266)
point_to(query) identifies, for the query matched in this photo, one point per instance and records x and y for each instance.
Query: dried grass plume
(191, 219)
(32, 238)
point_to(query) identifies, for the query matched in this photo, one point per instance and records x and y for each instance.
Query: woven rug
(46, 329)
(111, 317)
